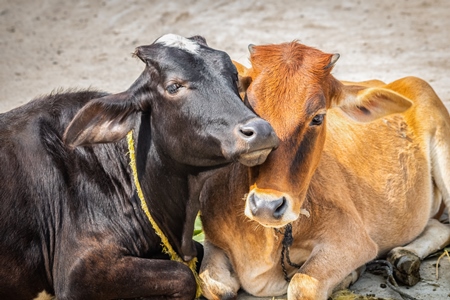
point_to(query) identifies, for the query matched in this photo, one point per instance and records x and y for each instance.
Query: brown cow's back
(377, 183)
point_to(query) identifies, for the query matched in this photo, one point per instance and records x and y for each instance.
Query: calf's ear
(367, 104)
(103, 120)
(199, 39)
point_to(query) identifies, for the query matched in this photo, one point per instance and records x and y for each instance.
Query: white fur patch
(173, 40)
(44, 296)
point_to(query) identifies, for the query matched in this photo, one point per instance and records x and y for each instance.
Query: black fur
(70, 221)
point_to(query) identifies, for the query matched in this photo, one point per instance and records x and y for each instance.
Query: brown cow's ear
(102, 120)
(243, 77)
(368, 104)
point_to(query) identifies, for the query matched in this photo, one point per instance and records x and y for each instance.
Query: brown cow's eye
(236, 77)
(317, 120)
(173, 88)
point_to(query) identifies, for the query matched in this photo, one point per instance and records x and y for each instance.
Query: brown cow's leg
(406, 260)
(219, 280)
(127, 277)
(330, 263)
(350, 279)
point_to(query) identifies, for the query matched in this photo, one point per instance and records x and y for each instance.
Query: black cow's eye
(173, 88)
(317, 120)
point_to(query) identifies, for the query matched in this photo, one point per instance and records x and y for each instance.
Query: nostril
(280, 208)
(253, 205)
(247, 132)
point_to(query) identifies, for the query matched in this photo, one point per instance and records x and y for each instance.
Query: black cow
(71, 223)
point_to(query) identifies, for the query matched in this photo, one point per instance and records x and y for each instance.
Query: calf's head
(290, 86)
(190, 92)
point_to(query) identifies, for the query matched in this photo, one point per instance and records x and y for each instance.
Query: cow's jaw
(254, 158)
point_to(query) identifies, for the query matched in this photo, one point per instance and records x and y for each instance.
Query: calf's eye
(317, 120)
(173, 88)
(236, 77)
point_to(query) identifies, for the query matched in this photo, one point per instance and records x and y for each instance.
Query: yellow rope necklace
(167, 248)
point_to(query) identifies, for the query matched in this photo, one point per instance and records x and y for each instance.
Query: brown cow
(361, 170)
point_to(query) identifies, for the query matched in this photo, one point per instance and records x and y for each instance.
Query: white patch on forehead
(173, 40)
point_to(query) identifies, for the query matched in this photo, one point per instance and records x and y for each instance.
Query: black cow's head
(197, 117)
(189, 94)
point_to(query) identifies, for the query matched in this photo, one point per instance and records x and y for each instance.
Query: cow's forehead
(176, 41)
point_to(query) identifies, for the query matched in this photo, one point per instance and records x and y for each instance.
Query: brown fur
(366, 181)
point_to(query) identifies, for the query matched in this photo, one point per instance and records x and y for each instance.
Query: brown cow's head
(290, 86)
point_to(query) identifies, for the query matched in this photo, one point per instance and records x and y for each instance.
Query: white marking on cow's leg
(435, 237)
(406, 260)
(44, 296)
(173, 40)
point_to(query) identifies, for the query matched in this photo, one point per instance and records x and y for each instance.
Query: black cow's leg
(200, 254)
(127, 278)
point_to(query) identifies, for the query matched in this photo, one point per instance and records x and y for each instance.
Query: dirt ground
(49, 44)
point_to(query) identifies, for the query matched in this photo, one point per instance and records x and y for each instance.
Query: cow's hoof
(406, 266)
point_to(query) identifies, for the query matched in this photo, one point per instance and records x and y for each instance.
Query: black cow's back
(48, 192)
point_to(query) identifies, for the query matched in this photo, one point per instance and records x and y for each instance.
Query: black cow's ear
(102, 120)
(142, 52)
(199, 39)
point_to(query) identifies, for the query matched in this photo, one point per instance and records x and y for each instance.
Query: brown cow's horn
(251, 48)
(333, 60)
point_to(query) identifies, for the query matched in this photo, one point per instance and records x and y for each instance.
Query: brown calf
(361, 170)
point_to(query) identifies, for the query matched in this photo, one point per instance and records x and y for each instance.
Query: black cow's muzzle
(255, 140)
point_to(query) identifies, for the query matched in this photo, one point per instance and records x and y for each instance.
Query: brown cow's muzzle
(256, 139)
(270, 208)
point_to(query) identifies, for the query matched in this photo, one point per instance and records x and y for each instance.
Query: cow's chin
(254, 158)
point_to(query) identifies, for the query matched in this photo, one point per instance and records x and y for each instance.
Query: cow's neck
(171, 192)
